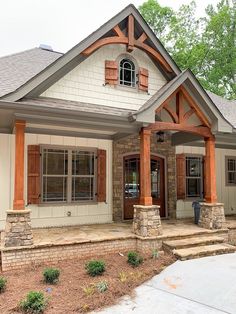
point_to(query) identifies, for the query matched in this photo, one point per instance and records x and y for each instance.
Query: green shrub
(155, 254)
(51, 275)
(3, 283)
(35, 302)
(134, 259)
(102, 286)
(95, 268)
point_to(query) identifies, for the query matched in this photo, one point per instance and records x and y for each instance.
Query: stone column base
(147, 221)
(18, 231)
(212, 216)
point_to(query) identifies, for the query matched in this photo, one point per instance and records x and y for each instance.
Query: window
(68, 175)
(127, 73)
(230, 170)
(194, 177)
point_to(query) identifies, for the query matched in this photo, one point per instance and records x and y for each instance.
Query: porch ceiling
(56, 118)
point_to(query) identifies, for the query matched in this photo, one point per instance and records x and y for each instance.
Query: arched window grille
(127, 73)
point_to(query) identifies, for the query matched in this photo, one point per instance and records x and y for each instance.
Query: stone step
(190, 242)
(201, 251)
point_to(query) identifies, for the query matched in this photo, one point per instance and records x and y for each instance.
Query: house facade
(113, 123)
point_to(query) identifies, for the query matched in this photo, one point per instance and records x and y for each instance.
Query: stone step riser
(217, 252)
(189, 245)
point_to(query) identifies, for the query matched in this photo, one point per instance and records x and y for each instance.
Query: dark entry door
(131, 184)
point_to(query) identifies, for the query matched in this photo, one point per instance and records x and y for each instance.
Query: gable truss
(130, 41)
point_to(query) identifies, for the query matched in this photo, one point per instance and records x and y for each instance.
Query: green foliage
(95, 267)
(51, 275)
(35, 302)
(102, 286)
(206, 45)
(155, 254)
(3, 283)
(134, 259)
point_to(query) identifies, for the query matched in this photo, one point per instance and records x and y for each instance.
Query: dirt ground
(70, 295)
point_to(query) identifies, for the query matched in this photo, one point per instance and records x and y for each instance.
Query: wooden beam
(193, 105)
(142, 38)
(105, 41)
(172, 114)
(180, 106)
(167, 101)
(19, 203)
(118, 31)
(145, 168)
(210, 170)
(130, 46)
(169, 126)
(188, 114)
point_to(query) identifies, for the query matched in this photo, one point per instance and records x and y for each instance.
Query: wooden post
(210, 169)
(19, 202)
(145, 171)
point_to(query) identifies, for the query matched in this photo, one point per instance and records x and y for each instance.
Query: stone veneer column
(18, 231)
(147, 221)
(212, 216)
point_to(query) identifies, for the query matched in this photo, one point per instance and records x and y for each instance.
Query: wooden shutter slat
(101, 175)
(181, 176)
(33, 174)
(143, 79)
(111, 72)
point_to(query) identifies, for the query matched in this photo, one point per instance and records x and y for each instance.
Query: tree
(205, 45)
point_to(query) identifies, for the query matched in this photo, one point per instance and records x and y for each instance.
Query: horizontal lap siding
(85, 83)
(225, 194)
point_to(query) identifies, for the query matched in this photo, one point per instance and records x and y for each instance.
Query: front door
(131, 184)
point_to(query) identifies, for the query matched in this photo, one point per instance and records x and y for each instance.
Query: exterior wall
(226, 194)
(52, 215)
(85, 83)
(130, 145)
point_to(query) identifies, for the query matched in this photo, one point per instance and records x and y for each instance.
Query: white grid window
(194, 178)
(127, 73)
(68, 175)
(231, 170)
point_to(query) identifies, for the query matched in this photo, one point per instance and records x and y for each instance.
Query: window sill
(67, 204)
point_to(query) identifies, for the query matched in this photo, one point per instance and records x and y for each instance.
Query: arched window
(127, 73)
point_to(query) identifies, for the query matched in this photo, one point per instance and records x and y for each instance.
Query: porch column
(19, 203)
(145, 170)
(212, 213)
(18, 231)
(147, 221)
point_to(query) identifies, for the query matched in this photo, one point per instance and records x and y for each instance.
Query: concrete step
(190, 242)
(201, 251)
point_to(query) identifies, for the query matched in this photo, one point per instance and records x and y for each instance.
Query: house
(109, 126)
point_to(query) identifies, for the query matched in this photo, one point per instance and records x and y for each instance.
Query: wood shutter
(33, 174)
(181, 176)
(143, 79)
(111, 72)
(204, 175)
(101, 176)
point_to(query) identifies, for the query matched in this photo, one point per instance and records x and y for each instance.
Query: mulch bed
(69, 295)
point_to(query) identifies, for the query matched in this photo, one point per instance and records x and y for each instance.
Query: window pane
(232, 177)
(132, 178)
(54, 189)
(127, 73)
(155, 178)
(194, 187)
(231, 165)
(82, 163)
(193, 166)
(82, 188)
(55, 162)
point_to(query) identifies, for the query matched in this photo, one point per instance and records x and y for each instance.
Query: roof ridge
(27, 50)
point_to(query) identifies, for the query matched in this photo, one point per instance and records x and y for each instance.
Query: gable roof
(214, 106)
(18, 68)
(41, 81)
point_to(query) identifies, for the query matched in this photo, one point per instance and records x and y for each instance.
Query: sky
(25, 24)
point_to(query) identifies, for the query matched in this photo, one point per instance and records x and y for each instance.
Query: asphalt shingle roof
(17, 69)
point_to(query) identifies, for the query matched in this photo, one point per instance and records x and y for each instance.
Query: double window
(127, 73)
(230, 164)
(194, 176)
(68, 175)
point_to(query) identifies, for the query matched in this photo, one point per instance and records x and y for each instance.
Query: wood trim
(142, 38)
(188, 114)
(101, 175)
(193, 105)
(19, 202)
(172, 114)
(168, 126)
(33, 184)
(166, 102)
(130, 46)
(118, 31)
(145, 175)
(105, 41)
(179, 106)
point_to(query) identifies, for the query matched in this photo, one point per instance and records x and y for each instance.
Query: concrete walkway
(201, 286)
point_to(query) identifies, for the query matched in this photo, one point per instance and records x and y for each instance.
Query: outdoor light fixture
(160, 137)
